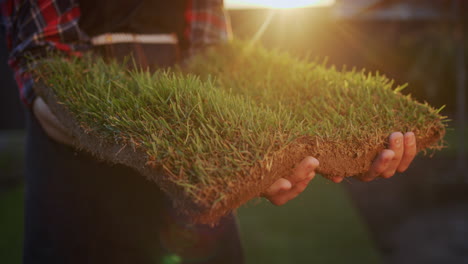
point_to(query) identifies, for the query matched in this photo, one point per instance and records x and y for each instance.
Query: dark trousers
(81, 210)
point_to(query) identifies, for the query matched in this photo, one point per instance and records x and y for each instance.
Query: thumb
(49, 122)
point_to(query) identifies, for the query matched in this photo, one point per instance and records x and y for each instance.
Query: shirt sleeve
(207, 24)
(33, 29)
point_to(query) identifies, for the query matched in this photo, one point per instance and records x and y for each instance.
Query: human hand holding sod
(400, 153)
(398, 156)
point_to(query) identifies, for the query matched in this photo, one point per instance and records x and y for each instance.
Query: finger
(279, 186)
(379, 165)
(280, 191)
(50, 123)
(409, 152)
(284, 197)
(305, 167)
(337, 179)
(300, 186)
(42, 111)
(395, 144)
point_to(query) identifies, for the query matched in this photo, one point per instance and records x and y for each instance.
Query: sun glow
(275, 4)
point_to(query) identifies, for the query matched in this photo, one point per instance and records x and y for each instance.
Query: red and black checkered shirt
(34, 28)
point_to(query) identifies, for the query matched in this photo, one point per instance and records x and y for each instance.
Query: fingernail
(398, 142)
(337, 179)
(410, 141)
(316, 163)
(311, 175)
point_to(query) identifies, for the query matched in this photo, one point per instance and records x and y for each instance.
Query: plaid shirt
(207, 24)
(34, 28)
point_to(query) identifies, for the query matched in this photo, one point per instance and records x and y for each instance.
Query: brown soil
(336, 159)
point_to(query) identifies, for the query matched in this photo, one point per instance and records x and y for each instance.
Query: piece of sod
(242, 117)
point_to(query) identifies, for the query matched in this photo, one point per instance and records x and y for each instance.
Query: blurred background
(420, 216)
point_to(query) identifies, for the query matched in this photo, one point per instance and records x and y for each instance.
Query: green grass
(327, 103)
(221, 132)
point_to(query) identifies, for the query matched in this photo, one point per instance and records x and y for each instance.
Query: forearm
(33, 29)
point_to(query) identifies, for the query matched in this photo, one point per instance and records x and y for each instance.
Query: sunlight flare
(276, 4)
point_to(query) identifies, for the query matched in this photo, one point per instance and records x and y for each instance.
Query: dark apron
(81, 210)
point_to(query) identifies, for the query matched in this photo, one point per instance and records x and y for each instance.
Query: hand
(397, 158)
(49, 122)
(284, 190)
(401, 152)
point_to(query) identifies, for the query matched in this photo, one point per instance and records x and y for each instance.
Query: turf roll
(217, 131)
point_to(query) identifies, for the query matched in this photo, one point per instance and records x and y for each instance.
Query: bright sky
(277, 4)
